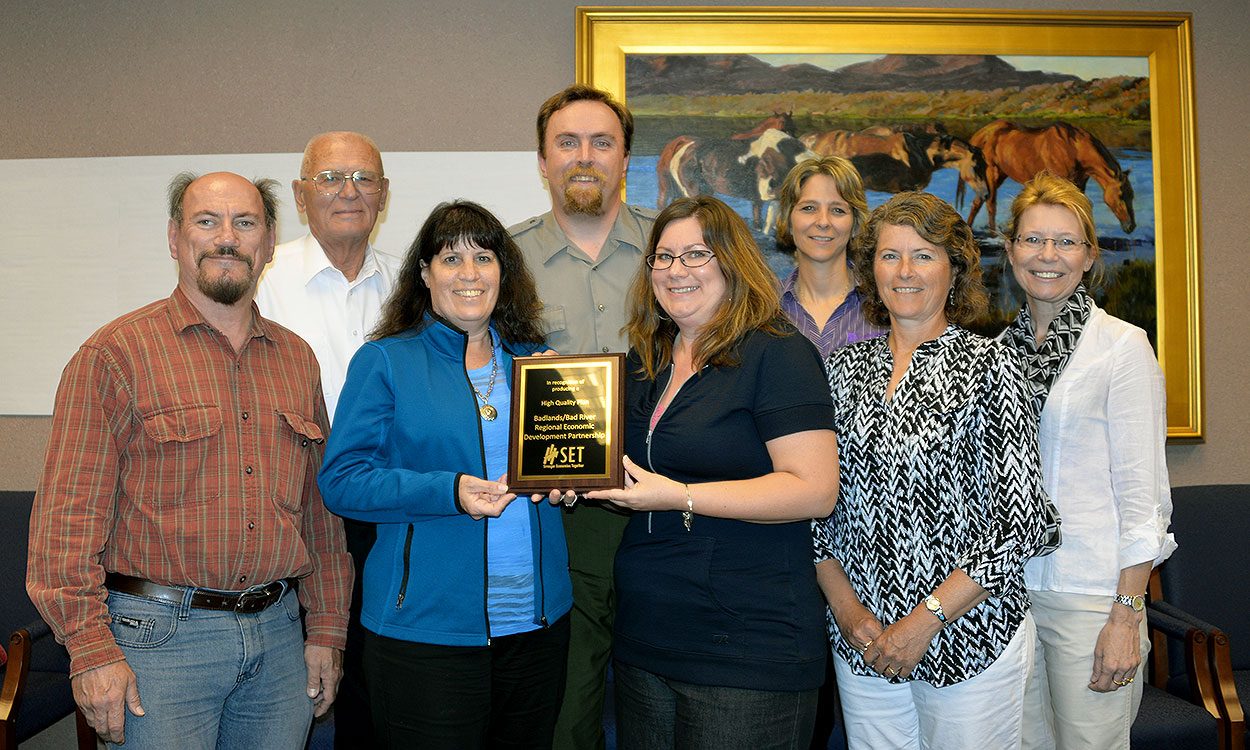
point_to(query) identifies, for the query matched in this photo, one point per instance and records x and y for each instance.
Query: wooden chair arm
(14, 683)
(1231, 712)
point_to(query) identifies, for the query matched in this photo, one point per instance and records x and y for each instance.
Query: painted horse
(782, 121)
(1066, 150)
(891, 161)
(751, 169)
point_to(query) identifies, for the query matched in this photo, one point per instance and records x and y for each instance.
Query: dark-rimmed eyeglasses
(1034, 242)
(331, 181)
(689, 259)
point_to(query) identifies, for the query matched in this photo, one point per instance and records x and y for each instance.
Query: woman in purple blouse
(822, 207)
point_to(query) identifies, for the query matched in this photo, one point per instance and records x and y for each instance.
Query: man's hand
(325, 669)
(103, 694)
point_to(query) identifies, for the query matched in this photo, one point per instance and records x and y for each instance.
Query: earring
(950, 298)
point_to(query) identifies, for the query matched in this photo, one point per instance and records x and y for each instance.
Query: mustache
(588, 172)
(229, 251)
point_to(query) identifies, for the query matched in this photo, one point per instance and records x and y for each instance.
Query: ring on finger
(893, 671)
(1119, 683)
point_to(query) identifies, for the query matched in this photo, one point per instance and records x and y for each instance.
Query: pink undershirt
(655, 415)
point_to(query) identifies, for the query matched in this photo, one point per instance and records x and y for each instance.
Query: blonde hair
(1049, 189)
(844, 175)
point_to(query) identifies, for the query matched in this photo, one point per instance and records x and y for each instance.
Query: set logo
(569, 455)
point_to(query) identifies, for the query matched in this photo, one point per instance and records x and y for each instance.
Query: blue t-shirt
(509, 543)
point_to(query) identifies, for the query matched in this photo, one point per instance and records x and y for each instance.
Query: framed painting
(926, 100)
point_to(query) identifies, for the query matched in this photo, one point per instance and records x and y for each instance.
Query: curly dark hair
(936, 223)
(516, 313)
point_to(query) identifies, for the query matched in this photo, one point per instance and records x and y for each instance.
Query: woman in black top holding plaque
(729, 453)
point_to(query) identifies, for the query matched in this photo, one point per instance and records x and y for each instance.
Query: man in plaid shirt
(177, 527)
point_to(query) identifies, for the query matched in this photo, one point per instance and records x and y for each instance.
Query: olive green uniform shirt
(584, 300)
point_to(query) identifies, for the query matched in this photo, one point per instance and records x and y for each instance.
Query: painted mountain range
(715, 75)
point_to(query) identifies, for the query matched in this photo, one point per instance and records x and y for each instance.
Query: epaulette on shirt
(525, 226)
(642, 212)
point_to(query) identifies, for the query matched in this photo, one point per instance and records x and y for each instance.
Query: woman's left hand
(902, 645)
(644, 490)
(1117, 653)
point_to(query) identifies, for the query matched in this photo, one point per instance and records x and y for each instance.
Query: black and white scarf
(1043, 364)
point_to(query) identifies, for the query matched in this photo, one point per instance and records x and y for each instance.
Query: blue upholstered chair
(1209, 577)
(35, 692)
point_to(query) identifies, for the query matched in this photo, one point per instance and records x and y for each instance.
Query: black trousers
(353, 721)
(505, 695)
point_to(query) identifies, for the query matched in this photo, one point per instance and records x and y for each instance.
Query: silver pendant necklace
(487, 411)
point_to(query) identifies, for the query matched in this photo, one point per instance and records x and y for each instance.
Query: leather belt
(244, 602)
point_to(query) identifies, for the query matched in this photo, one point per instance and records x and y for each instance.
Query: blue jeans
(210, 679)
(656, 713)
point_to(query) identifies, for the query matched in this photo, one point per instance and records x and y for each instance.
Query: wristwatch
(1136, 603)
(932, 604)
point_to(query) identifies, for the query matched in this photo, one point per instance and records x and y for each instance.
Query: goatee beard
(224, 289)
(590, 204)
(584, 198)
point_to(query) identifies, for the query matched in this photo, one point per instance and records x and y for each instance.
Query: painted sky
(1086, 67)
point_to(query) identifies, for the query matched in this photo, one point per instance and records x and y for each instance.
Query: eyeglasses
(331, 181)
(689, 259)
(1062, 243)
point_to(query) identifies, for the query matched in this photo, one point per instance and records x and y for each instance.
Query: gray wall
(114, 78)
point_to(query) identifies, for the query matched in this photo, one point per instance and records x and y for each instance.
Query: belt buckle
(251, 597)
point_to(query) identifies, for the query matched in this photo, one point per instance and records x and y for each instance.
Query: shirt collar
(183, 314)
(315, 261)
(792, 281)
(615, 238)
(787, 286)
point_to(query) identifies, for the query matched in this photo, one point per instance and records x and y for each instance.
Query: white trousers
(1060, 709)
(983, 712)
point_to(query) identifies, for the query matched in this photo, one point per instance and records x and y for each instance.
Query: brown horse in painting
(1020, 152)
(848, 144)
(782, 121)
(890, 161)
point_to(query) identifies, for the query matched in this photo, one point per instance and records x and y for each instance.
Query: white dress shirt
(1102, 436)
(301, 290)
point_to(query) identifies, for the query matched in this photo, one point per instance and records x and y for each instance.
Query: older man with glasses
(328, 286)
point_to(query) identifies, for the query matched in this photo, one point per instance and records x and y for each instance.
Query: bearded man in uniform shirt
(583, 255)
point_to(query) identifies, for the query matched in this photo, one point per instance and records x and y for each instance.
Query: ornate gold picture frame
(607, 35)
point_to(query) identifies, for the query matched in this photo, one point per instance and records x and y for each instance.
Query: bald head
(318, 145)
(264, 187)
(220, 234)
(341, 221)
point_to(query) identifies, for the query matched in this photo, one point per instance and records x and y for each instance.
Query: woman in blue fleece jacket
(466, 592)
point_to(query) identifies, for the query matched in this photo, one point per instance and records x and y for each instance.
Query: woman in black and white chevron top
(941, 499)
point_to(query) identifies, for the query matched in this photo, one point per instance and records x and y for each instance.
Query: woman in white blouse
(1098, 388)
(940, 500)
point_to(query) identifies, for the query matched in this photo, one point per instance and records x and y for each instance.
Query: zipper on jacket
(485, 569)
(403, 582)
(651, 423)
(542, 590)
